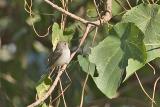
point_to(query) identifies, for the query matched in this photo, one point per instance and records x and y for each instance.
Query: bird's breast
(64, 58)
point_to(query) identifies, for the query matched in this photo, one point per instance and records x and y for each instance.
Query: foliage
(57, 35)
(111, 56)
(128, 43)
(43, 86)
(146, 17)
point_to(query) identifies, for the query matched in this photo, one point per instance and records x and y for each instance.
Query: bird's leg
(55, 70)
(68, 76)
(52, 70)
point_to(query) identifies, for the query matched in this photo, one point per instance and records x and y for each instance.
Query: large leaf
(133, 65)
(111, 56)
(147, 18)
(131, 39)
(107, 56)
(86, 65)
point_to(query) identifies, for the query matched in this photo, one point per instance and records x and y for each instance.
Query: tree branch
(66, 12)
(104, 19)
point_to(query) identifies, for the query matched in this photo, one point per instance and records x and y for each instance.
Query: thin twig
(85, 82)
(154, 71)
(94, 37)
(31, 13)
(58, 102)
(39, 101)
(64, 16)
(97, 9)
(61, 93)
(26, 5)
(50, 99)
(118, 2)
(104, 19)
(66, 12)
(82, 96)
(65, 105)
(118, 14)
(50, 74)
(68, 76)
(82, 40)
(139, 81)
(129, 4)
(154, 90)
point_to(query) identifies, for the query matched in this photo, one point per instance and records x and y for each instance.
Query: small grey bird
(60, 56)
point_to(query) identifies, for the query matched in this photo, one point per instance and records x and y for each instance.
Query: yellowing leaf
(56, 35)
(43, 86)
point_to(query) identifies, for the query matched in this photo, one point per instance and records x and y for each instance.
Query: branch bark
(66, 12)
(104, 18)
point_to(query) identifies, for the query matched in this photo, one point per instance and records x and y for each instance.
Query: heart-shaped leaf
(147, 18)
(111, 56)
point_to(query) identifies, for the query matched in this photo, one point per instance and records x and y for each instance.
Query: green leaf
(57, 34)
(147, 18)
(68, 33)
(131, 41)
(133, 65)
(107, 56)
(43, 86)
(86, 65)
(112, 54)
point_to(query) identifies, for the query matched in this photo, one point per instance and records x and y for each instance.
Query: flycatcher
(60, 56)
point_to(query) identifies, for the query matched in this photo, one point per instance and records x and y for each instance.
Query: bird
(60, 56)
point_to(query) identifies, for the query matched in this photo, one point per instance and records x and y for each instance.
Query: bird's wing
(54, 57)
